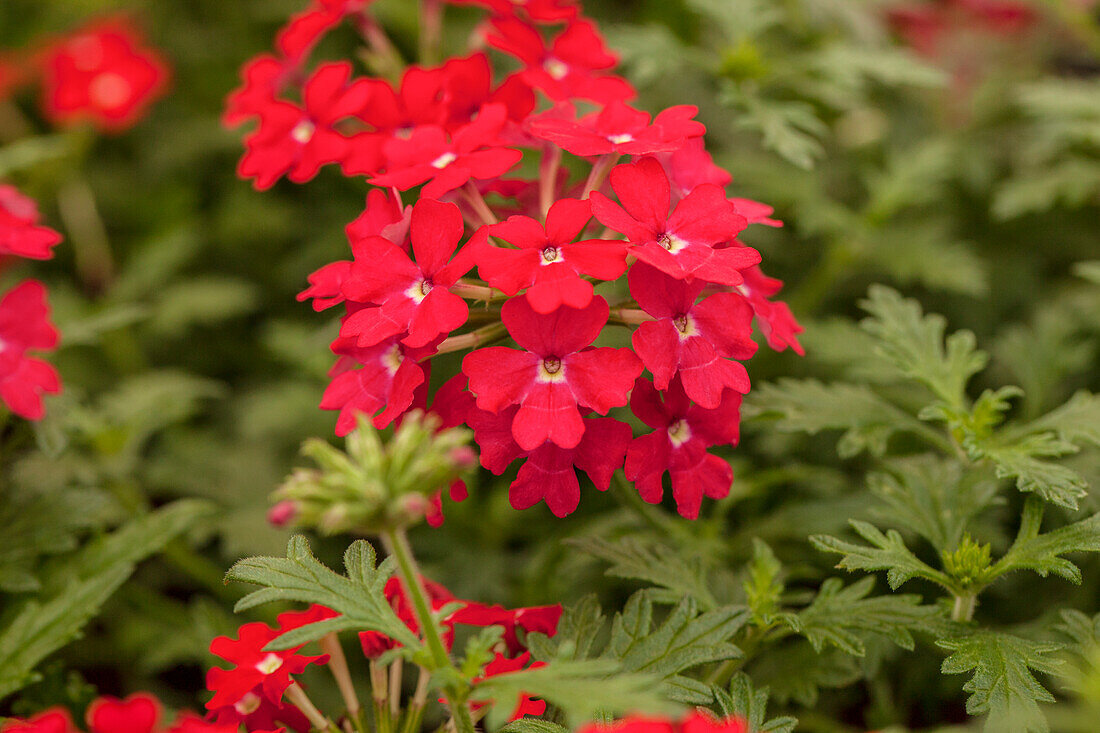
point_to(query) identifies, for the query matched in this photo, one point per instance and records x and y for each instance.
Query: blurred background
(948, 148)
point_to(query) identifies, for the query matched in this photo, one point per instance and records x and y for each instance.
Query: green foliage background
(192, 374)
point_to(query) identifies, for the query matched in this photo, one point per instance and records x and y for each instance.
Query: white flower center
(679, 433)
(444, 160)
(392, 359)
(685, 324)
(556, 68)
(419, 290)
(110, 90)
(303, 132)
(623, 137)
(270, 663)
(551, 370)
(671, 242)
(247, 704)
(550, 254)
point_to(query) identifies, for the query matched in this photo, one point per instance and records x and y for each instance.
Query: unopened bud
(282, 513)
(464, 456)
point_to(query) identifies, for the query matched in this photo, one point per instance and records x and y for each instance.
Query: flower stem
(548, 177)
(397, 670)
(94, 261)
(397, 545)
(380, 695)
(431, 31)
(473, 339)
(300, 700)
(599, 172)
(338, 665)
(383, 54)
(477, 201)
(963, 610)
(471, 291)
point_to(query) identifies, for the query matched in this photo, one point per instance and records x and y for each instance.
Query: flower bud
(375, 484)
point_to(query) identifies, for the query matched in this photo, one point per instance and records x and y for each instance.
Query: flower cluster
(258, 691)
(492, 250)
(24, 312)
(138, 713)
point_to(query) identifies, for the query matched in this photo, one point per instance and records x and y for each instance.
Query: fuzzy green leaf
(358, 597)
(1042, 552)
(932, 497)
(914, 343)
(1024, 461)
(81, 585)
(652, 562)
(684, 640)
(533, 725)
(578, 628)
(580, 689)
(751, 704)
(1003, 685)
(1077, 421)
(839, 614)
(809, 406)
(885, 552)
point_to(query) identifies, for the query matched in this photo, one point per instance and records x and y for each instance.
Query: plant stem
(599, 172)
(963, 610)
(338, 665)
(397, 669)
(380, 695)
(477, 201)
(473, 339)
(300, 700)
(431, 31)
(87, 233)
(548, 177)
(397, 545)
(464, 289)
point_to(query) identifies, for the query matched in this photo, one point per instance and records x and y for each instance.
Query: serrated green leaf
(838, 614)
(533, 725)
(763, 585)
(650, 561)
(1023, 460)
(1042, 552)
(81, 585)
(579, 689)
(358, 597)
(809, 406)
(751, 704)
(794, 671)
(578, 628)
(886, 552)
(1077, 421)
(914, 343)
(685, 639)
(1003, 685)
(932, 496)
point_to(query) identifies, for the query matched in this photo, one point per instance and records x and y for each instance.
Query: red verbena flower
(297, 141)
(383, 386)
(537, 619)
(102, 74)
(254, 667)
(569, 68)
(695, 340)
(526, 705)
(682, 244)
(413, 297)
(549, 471)
(773, 317)
(25, 326)
(548, 262)
(375, 643)
(447, 161)
(20, 233)
(620, 129)
(682, 433)
(555, 375)
(138, 713)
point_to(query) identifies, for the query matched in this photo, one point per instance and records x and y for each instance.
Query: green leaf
(685, 639)
(1023, 461)
(1042, 552)
(914, 343)
(80, 586)
(578, 628)
(932, 496)
(533, 725)
(790, 128)
(652, 562)
(809, 406)
(1003, 685)
(839, 614)
(794, 671)
(763, 586)
(1077, 421)
(581, 689)
(751, 704)
(358, 597)
(886, 552)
